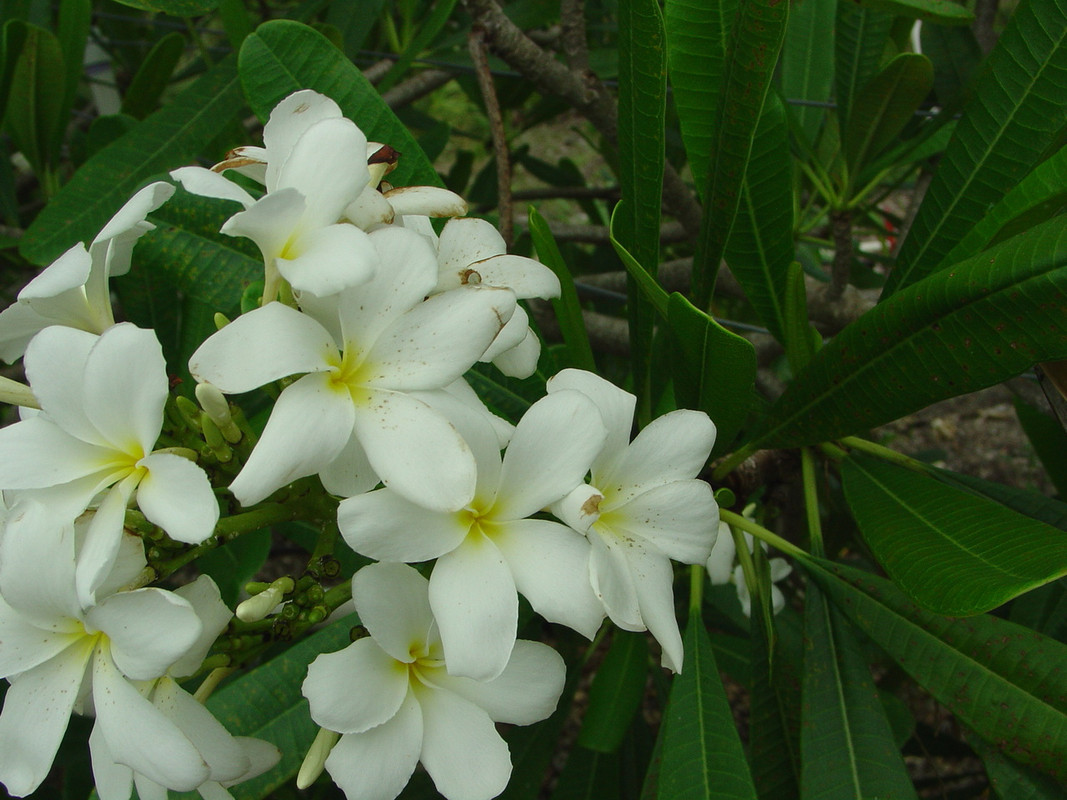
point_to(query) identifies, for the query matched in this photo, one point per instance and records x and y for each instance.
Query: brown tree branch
(480, 57)
(417, 86)
(572, 34)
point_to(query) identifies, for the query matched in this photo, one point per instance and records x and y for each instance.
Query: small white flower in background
(643, 507)
(59, 657)
(721, 569)
(368, 354)
(74, 290)
(488, 550)
(394, 703)
(102, 400)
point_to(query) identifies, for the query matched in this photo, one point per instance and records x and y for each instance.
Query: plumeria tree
(317, 482)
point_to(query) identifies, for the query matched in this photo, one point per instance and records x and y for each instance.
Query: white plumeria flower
(74, 290)
(367, 352)
(102, 401)
(58, 656)
(721, 569)
(395, 703)
(488, 550)
(642, 508)
(314, 168)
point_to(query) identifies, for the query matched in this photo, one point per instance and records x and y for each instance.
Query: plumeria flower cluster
(370, 317)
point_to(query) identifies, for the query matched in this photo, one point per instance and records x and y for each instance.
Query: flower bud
(315, 760)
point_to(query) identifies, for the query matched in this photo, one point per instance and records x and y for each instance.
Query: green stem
(732, 461)
(200, 46)
(811, 501)
(833, 451)
(773, 539)
(696, 588)
(884, 453)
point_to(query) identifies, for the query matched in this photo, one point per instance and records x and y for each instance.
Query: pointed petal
(266, 344)
(377, 764)
(69, 271)
(609, 573)
(511, 335)
(526, 692)
(126, 387)
(261, 756)
(176, 495)
(36, 453)
(356, 689)
(521, 360)
(720, 563)
(615, 405)
(224, 755)
(103, 540)
(55, 367)
(550, 564)
(554, 443)
(327, 260)
(429, 201)
(673, 447)
(524, 276)
(270, 222)
(386, 527)
(415, 450)
(113, 781)
(473, 598)
(438, 340)
(37, 708)
(327, 165)
(149, 630)
(207, 183)
(350, 473)
(128, 564)
(680, 519)
(393, 604)
(654, 582)
(204, 596)
(461, 749)
(19, 323)
(309, 425)
(139, 735)
(144, 202)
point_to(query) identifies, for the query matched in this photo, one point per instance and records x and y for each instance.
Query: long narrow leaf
(859, 39)
(808, 61)
(959, 330)
(1014, 113)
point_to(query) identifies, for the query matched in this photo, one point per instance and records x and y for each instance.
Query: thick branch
(480, 58)
(572, 36)
(416, 86)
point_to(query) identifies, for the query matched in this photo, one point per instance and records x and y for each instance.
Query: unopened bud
(261, 605)
(215, 405)
(315, 760)
(17, 394)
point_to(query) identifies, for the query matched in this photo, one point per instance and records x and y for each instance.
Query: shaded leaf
(940, 12)
(152, 77)
(1011, 781)
(859, 40)
(959, 330)
(615, 693)
(956, 56)
(34, 107)
(235, 564)
(176, 8)
(808, 62)
(1049, 441)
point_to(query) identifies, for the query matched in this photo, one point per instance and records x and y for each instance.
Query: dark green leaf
(800, 339)
(846, 742)
(760, 248)
(170, 137)
(702, 756)
(142, 98)
(355, 21)
(752, 55)
(589, 775)
(956, 55)
(283, 56)
(939, 12)
(237, 22)
(697, 36)
(859, 40)
(959, 330)
(616, 693)
(1011, 781)
(993, 675)
(35, 108)
(714, 370)
(652, 291)
(1049, 441)
(1012, 116)
(886, 104)
(72, 32)
(236, 563)
(176, 8)
(434, 23)
(567, 307)
(808, 62)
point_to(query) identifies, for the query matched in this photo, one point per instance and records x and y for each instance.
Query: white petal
(149, 630)
(430, 201)
(19, 323)
(350, 473)
(510, 336)
(462, 243)
(36, 453)
(309, 425)
(126, 387)
(55, 367)
(139, 735)
(327, 260)
(654, 582)
(127, 565)
(609, 573)
(69, 271)
(386, 527)
(261, 756)
(526, 692)
(369, 210)
(176, 495)
(681, 519)
(393, 604)
(37, 567)
(462, 390)
(327, 165)
(521, 360)
(103, 540)
(113, 781)
(27, 645)
(288, 121)
(673, 447)
(438, 340)
(461, 749)
(554, 443)
(207, 183)
(415, 450)
(550, 564)
(270, 222)
(355, 689)
(377, 764)
(473, 598)
(720, 563)
(134, 211)
(615, 405)
(579, 509)
(36, 711)
(204, 596)
(524, 276)
(261, 346)
(224, 755)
